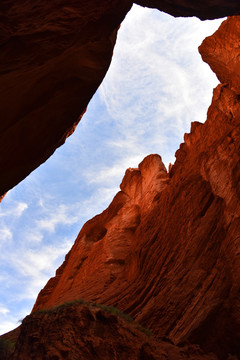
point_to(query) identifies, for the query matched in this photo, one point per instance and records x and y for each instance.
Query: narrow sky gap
(156, 85)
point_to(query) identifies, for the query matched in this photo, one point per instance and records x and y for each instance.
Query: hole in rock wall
(156, 85)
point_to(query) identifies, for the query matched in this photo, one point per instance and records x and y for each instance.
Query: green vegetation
(143, 329)
(67, 303)
(109, 309)
(6, 349)
(114, 311)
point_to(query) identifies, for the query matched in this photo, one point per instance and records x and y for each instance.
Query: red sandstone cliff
(166, 251)
(54, 55)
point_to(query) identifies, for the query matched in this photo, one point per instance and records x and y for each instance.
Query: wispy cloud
(3, 310)
(108, 176)
(58, 215)
(5, 234)
(157, 81)
(36, 265)
(7, 325)
(15, 211)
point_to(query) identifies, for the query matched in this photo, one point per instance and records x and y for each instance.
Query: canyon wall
(167, 249)
(53, 57)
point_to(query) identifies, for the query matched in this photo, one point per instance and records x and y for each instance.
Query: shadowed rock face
(74, 332)
(167, 248)
(204, 9)
(53, 57)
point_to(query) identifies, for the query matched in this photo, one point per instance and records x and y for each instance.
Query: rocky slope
(53, 57)
(75, 331)
(166, 251)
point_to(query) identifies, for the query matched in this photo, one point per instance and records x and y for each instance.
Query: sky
(156, 86)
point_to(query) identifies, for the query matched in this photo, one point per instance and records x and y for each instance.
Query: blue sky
(156, 86)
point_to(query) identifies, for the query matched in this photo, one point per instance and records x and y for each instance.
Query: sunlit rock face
(166, 250)
(204, 9)
(53, 57)
(101, 252)
(221, 52)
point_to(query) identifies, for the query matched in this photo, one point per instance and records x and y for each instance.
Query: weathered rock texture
(74, 332)
(54, 55)
(167, 249)
(221, 51)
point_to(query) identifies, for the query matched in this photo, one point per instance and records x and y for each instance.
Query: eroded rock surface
(221, 52)
(74, 332)
(166, 251)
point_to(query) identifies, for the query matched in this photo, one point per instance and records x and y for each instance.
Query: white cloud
(16, 209)
(35, 267)
(107, 176)
(54, 217)
(157, 83)
(10, 321)
(98, 202)
(6, 322)
(7, 325)
(19, 209)
(32, 263)
(3, 310)
(5, 234)
(33, 236)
